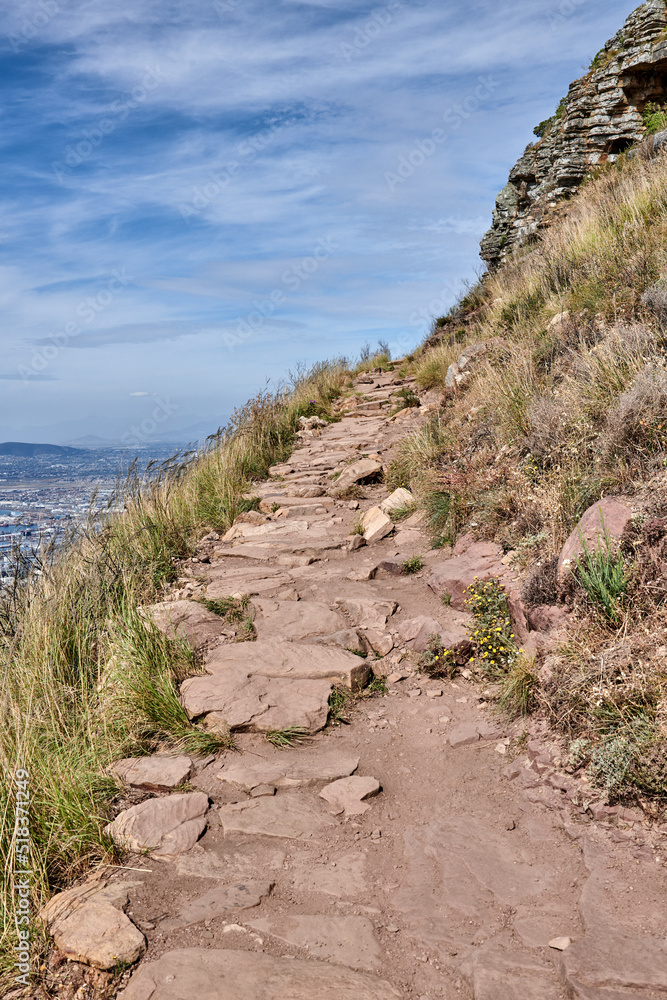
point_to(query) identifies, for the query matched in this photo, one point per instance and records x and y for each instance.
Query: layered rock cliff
(601, 117)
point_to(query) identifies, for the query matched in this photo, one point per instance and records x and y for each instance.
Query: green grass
(413, 565)
(231, 609)
(602, 574)
(283, 739)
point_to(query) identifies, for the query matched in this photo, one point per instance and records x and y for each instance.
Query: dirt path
(452, 880)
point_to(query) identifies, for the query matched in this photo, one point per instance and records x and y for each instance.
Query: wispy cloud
(260, 137)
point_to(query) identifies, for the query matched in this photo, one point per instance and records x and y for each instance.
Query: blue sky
(198, 196)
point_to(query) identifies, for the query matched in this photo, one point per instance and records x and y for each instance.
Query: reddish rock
(611, 514)
(416, 633)
(481, 561)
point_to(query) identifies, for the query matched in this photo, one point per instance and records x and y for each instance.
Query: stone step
(199, 972)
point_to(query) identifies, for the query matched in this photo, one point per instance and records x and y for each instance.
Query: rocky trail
(419, 849)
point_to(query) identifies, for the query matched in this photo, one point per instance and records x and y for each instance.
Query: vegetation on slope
(83, 679)
(569, 404)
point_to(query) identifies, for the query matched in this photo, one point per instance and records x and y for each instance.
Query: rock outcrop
(600, 118)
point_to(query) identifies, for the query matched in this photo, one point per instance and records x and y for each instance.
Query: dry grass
(569, 405)
(84, 679)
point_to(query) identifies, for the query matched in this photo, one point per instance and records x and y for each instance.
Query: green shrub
(413, 565)
(654, 117)
(437, 661)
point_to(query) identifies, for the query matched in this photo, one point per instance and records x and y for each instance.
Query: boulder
(156, 774)
(481, 561)
(187, 620)
(167, 826)
(376, 524)
(249, 975)
(459, 373)
(88, 925)
(380, 642)
(398, 500)
(348, 794)
(611, 514)
(365, 468)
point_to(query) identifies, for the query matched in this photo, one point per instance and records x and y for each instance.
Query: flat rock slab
(233, 699)
(513, 976)
(348, 941)
(155, 774)
(367, 614)
(166, 826)
(290, 769)
(293, 817)
(481, 561)
(295, 619)
(291, 661)
(464, 735)
(346, 880)
(348, 794)
(208, 974)
(223, 583)
(187, 620)
(88, 925)
(218, 901)
(605, 958)
(271, 685)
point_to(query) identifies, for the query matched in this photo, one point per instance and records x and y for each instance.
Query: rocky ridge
(426, 850)
(600, 118)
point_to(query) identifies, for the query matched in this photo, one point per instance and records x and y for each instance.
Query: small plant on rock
(436, 660)
(358, 526)
(413, 565)
(603, 576)
(232, 609)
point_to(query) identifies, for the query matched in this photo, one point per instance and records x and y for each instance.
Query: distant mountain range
(21, 449)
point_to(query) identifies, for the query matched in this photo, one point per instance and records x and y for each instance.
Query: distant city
(43, 495)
